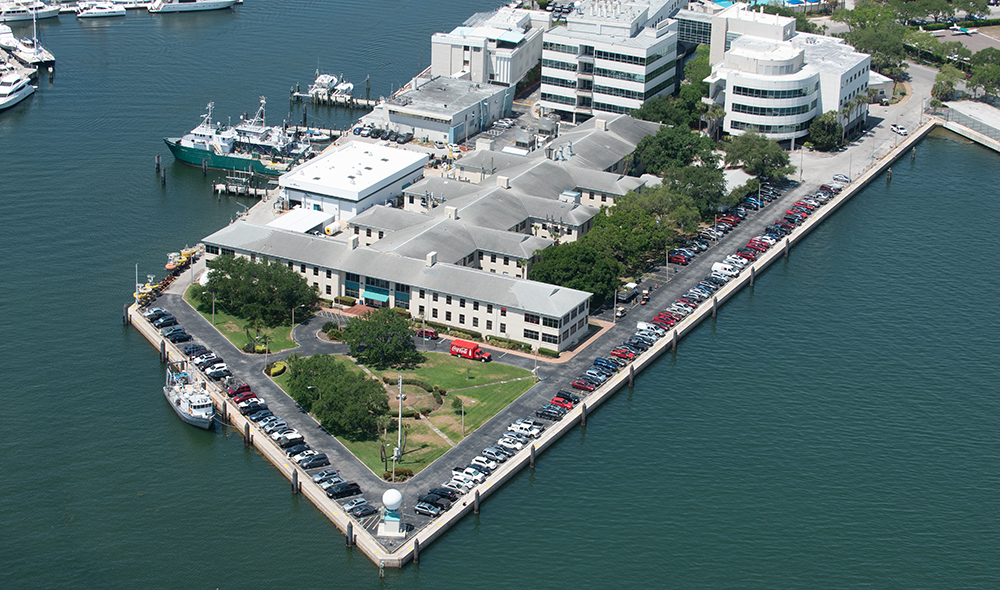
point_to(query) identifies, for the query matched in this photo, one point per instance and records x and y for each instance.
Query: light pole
(213, 304)
(293, 314)
(463, 416)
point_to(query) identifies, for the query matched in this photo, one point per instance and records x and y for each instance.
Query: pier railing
(951, 115)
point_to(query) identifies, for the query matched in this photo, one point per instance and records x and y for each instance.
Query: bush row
(548, 352)
(964, 24)
(452, 331)
(401, 474)
(348, 301)
(509, 344)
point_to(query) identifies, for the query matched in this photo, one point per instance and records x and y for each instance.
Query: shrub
(331, 326)
(402, 312)
(548, 352)
(276, 369)
(348, 301)
(335, 334)
(401, 474)
(437, 397)
(509, 344)
(452, 331)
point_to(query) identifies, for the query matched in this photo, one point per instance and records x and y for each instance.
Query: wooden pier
(338, 100)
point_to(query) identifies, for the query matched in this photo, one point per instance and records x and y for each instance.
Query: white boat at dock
(30, 52)
(26, 10)
(189, 399)
(13, 89)
(99, 10)
(7, 39)
(189, 5)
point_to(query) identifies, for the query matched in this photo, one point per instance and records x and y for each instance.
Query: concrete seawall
(425, 536)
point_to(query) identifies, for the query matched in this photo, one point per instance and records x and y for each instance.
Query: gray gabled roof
(506, 291)
(454, 240)
(388, 218)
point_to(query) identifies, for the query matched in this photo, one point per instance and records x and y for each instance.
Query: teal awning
(375, 296)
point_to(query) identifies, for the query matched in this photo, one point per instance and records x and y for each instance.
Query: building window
(253, 257)
(475, 306)
(291, 265)
(489, 324)
(572, 329)
(489, 308)
(329, 274)
(316, 286)
(582, 308)
(434, 297)
(422, 293)
(565, 334)
(357, 230)
(447, 300)
(572, 314)
(503, 312)
(302, 268)
(315, 271)
(368, 232)
(493, 258)
(352, 277)
(461, 318)
(550, 339)
(461, 302)
(506, 260)
(329, 290)
(581, 323)
(475, 322)
(212, 249)
(559, 65)
(447, 316)
(550, 323)
(228, 252)
(379, 283)
(351, 292)
(503, 328)
(531, 334)
(548, 45)
(531, 318)
(380, 234)
(434, 313)
(420, 310)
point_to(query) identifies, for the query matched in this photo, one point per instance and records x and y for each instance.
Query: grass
(423, 446)
(481, 404)
(233, 328)
(448, 372)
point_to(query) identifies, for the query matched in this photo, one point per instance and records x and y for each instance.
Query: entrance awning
(375, 296)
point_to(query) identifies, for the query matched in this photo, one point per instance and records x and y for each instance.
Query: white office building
(775, 81)
(501, 46)
(351, 178)
(610, 57)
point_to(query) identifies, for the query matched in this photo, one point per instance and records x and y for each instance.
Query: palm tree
(713, 115)
(845, 112)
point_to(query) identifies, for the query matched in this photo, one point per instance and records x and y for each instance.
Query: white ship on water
(189, 399)
(189, 5)
(26, 10)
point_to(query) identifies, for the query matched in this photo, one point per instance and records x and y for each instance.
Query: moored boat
(249, 146)
(189, 399)
(100, 10)
(189, 5)
(13, 89)
(26, 10)
(7, 38)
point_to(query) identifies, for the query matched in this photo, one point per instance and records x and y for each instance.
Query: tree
(759, 156)
(946, 81)
(668, 110)
(875, 29)
(698, 68)
(825, 131)
(802, 22)
(671, 147)
(381, 338)
(345, 401)
(262, 292)
(713, 115)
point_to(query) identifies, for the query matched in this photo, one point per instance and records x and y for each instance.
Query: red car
(746, 255)
(242, 397)
(578, 384)
(665, 324)
(757, 247)
(678, 259)
(241, 389)
(729, 219)
(804, 205)
(623, 354)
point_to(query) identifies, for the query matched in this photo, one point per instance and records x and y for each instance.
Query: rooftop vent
(503, 182)
(432, 258)
(354, 242)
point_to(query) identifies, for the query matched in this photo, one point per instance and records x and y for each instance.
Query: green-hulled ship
(251, 146)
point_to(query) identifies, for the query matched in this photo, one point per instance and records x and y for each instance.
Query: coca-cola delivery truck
(469, 350)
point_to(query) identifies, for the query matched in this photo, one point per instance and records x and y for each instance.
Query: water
(833, 428)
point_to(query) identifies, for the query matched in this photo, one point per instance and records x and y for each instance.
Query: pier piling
(163, 351)
(416, 551)
(163, 176)
(787, 247)
(156, 160)
(753, 274)
(531, 458)
(715, 306)
(673, 345)
(350, 534)
(583, 415)
(295, 481)
(631, 374)
(475, 503)
(204, 167)
(125, 319)
(246, 434)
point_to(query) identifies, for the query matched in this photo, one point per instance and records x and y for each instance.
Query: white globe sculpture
(392, 499)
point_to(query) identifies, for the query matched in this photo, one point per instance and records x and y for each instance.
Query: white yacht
(7, 38)
(322, 86)
(26, 10)
(30, 52)
(189, 399)
(13, 89)
(99, 10)
(189, 5)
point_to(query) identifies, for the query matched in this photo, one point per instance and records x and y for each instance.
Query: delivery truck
(469, 350)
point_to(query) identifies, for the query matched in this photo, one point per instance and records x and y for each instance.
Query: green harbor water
(835, 427)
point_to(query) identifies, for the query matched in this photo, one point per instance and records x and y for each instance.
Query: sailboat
(30, 52)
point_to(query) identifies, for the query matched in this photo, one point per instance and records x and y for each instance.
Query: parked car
(192, 350)
(326, 473)
(165, 322)
(435, 500)
(171, 330)
(352, 504)
(291, 452)
(218, 371)
(899, 129)
(344, 490)
(181, 336)
(155, 313)
(444, 493)
(583, 385)
(427, 509)
(315, 461)
(363, 511)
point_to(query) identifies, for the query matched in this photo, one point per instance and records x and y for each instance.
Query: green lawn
(449, 372)
(423, 446)
(233, 328)
(481, 404)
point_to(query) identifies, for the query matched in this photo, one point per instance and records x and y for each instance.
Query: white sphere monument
(391, 523)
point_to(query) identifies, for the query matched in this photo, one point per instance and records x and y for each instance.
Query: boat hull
(192, 6)
(48, 12)
(172, 401)
(10, 101)
(213, 161)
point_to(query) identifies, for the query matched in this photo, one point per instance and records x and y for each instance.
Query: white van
(660, 332)
(726, 269)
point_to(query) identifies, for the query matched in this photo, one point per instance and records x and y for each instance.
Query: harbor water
(834, 427)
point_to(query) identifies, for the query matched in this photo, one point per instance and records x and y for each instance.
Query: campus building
(610, 57)
(499, 46)
(774, 80)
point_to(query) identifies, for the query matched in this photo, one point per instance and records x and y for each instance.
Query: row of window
(766, 93)
(420, 117)
(632, 59)
(771, 128)
(559, 65)
(633, 94)
(558, 82)
(571, 49)
(611, 108)
(774, 111)
(558, 98)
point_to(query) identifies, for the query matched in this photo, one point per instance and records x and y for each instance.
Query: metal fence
(970, 122)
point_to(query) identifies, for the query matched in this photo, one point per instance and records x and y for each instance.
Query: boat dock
(128, 5)
(338, 100)
(397, 555)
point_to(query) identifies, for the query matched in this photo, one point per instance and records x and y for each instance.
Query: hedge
(966, 24)
(331, 326)
(453, 331)
(437, 397)
(276, 369)
(401, 473)
(348, 301)
(509, 344)
(335, 334)
(402, 312)
(548, 352)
